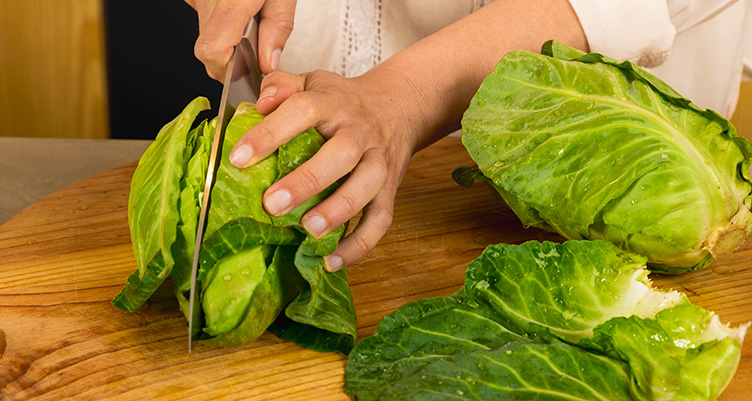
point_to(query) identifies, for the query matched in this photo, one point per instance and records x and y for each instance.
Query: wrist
(421, 108)
(396, 98)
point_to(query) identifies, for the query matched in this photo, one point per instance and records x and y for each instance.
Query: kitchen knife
(242, 83)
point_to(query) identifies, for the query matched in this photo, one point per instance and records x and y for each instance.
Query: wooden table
(63, 259)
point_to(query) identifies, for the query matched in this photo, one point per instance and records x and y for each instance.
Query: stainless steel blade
(242, 83)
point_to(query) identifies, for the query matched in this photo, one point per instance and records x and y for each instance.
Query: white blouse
(696, 46)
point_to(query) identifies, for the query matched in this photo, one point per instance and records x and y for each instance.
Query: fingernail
(277, 202)
(315, 225)
(241, 156)
(333, 263)
(275, 59)
(269, 91)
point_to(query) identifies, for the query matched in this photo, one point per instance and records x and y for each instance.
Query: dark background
(152, 71)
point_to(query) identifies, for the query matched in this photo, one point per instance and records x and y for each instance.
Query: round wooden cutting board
(63, 259)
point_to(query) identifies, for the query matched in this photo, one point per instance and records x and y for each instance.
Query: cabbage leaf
(549, 321)
(154, 205)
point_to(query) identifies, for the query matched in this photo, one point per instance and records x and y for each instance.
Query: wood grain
(64, 258)
(52, 69)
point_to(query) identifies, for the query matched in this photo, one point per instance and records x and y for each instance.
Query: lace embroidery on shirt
(362, 36)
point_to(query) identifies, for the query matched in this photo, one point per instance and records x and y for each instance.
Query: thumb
(277, 18)
(276, 87)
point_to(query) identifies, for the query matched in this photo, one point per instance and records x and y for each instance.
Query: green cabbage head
(255, 271)
(593, 148)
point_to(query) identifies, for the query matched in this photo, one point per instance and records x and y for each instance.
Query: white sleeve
(637, 30)
(686, 14)
(642, 31)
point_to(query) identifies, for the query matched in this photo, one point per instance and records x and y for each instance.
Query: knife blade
(242, 83)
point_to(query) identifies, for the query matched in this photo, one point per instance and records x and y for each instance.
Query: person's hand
(367, 137)
(221, 25)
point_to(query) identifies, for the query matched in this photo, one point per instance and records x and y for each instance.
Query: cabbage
(594, 148)
(548, 321)
(252, 266)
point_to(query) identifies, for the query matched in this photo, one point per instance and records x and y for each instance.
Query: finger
(277, 18)
(365, 182)
(221, 32)
(299, 113)
(334, 160)
(276, 88)
(377, 217)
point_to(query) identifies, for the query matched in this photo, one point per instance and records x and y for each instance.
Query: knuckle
(349, 149)
(279, 79)
(309, 183)
(274, 76)
(284, 23)
(262, 131)
(380, 220)
(379, 166)
(315, 75)
(318, 78)
(304, 105)
(206, 51)
(381, 216)
(362, 244)
(350, 203)
(203, 49)
(264, 140)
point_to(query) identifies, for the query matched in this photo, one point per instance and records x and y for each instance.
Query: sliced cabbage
(578, 320)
